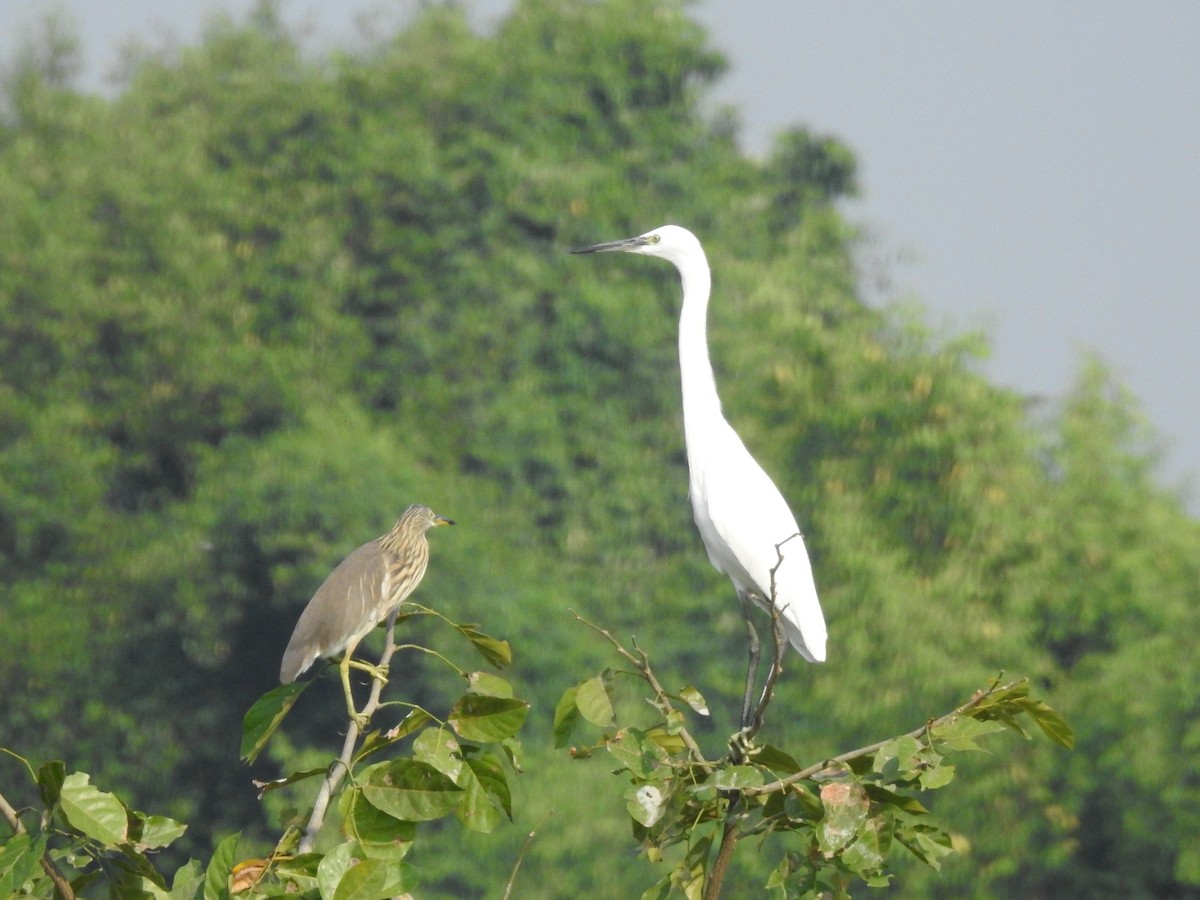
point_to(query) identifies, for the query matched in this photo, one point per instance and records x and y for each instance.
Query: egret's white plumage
(745, 523)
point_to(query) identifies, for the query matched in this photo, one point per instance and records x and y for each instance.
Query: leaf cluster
(841, 816)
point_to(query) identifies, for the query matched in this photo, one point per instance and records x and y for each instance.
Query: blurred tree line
(258, 302)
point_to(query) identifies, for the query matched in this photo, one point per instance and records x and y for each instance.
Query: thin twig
(339, 768)
(61, 885)
(521, 856)
(642, 663)
(977, 698)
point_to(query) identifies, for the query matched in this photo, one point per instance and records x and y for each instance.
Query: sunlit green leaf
(488, 800)
(734, 778)
(961, 733)
(381, 836)
(594, 701)
(636, 752)
(694, 699)
(187, 881)
(410, 790)
(869, 850)
(489, 685)
(495, 651)
(159, 831)
(438, 747)
(375, 879)
(937, 777)
(216, 876)
(265, 715)
(19, 857)
(380, 740)
(98, 814)
(479, 718)
(900, 750)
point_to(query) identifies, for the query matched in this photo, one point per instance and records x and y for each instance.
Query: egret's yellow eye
(654, 239)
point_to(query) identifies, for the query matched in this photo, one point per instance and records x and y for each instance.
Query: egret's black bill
(626, 244)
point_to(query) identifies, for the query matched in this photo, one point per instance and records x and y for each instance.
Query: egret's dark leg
(752, 663)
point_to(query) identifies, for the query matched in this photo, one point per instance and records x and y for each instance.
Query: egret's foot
(361, 721)
(375, 671)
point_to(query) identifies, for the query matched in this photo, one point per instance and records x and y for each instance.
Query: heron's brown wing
(343, 609)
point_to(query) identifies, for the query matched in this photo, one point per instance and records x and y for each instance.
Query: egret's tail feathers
(809, 642)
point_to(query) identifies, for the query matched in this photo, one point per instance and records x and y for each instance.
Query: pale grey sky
(1029, 168)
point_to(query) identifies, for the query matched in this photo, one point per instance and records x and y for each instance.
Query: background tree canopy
(257, 303)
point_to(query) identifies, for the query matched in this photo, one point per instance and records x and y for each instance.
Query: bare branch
(642, 663)
(783, 783)
(340, 767)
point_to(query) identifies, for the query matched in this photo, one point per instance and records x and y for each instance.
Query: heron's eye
(654, 238)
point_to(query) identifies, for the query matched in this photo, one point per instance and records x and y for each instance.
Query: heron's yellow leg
(380, 672)
(344, 667)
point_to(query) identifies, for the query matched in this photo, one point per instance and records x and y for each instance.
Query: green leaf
(846, 807)
(646, 803)
(566, 714)
(187, 881)
(220, 867)
(669, 741)
(375, 879)
(265, 716)
(489, 685)
(50, 777)
(487, 798)
(694, 699)
(513, 750)
(733, 778)
(961, 733)
(937, 777)
(158, 832)
(776, 760)
(496, 652)
(19, 857)
(1053, 725)
(275, 784)
(379, 740)
(902, 802)
(925, 842)
(901, 750)
(594, 701)
(438, 747)
(479, 718)
(334, 866)
(636, 752)
(98, 814)
(410, 790)
(381, 836)
(866, 855)
(300, 872)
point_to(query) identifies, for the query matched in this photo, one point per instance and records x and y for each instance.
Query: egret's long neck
(701, 405)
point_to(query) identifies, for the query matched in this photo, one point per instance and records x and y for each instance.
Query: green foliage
(258, 302)
(841, 816)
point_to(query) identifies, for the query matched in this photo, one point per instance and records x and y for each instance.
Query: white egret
(746, 525)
